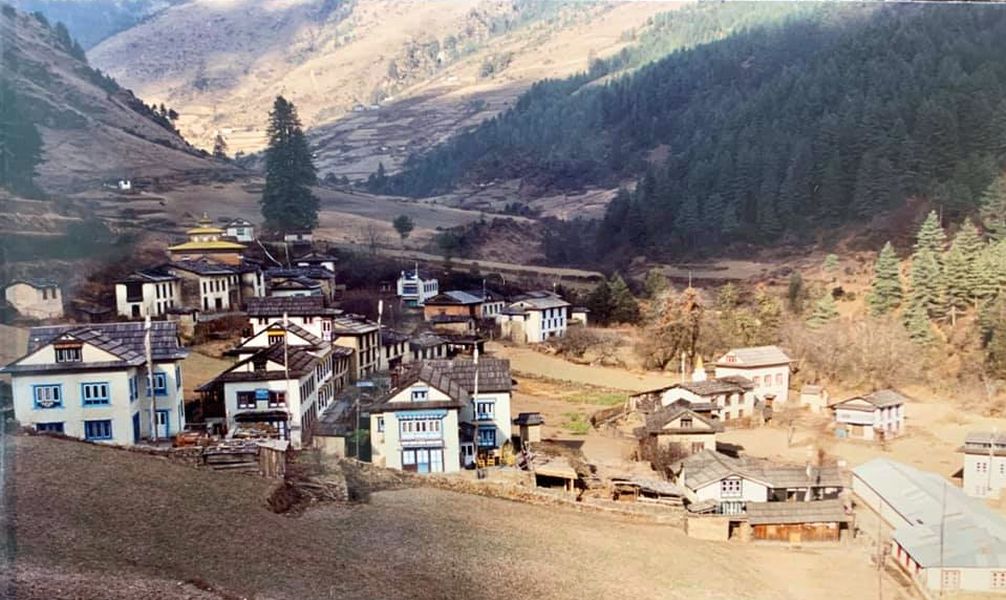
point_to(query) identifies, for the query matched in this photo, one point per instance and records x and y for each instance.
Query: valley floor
(134, 526)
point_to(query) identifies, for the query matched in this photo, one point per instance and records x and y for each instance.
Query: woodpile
(232, 456)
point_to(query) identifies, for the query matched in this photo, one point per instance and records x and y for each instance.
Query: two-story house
(147, 293)
(278, 391)
(725, 399)
(433, 419)
(534, 317)
(94, 382)
(680, 426)
(35, 298)
(879, 414)
(364, 338)
(306, 280)
(415, 288)
(311, 313)
(767, 367)
(240, 230)
(984, 463)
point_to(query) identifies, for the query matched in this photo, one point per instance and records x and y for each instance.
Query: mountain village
(307, 378)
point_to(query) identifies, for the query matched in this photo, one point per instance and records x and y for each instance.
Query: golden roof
(217, 245)
(204, 226)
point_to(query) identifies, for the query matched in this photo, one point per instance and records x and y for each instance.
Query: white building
(984, 463)
(35, 298)
(946, 541)
(879, 414)
(317, 259)
(309, 312)
(431, 421)
(731, 483)
(304, 236)
(415, 288)
(93, 382)
(149, 293)
(281, 389)
(241, 230)
(725, 399)
(534, 318)
(766, 366)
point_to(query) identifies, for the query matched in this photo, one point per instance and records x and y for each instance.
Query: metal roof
(757, 356)
(540, 301)
(879, 399)
(972, 535)
(706, 467)
(294, 306)
(786, 513)
(454, 297)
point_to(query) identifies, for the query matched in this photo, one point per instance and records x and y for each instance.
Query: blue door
(136, 428)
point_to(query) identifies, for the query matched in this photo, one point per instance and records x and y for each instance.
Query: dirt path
(525, 360)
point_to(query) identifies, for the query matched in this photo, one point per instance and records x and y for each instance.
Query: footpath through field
(527, 361)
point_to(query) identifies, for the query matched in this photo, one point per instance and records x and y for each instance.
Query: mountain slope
(92, 129)
(91, 21)
(220, 63)
(766, 135)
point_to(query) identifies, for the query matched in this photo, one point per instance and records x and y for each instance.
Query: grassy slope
(85, 510)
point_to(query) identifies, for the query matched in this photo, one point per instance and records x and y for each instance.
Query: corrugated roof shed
(973, 535)
(791, 513)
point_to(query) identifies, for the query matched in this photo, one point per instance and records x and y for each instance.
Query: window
(951, 579)
(94, 394)
(178, 377)
(756, 380)
(277, 399)
(133, 389)
(98, 430)
(731, 488)
(160, 384)
(778, 378)
(276, 338)
(68, 354)
(487, 437)
(686, 423)
(698, 447)
(981, 467)
(49, 427)
(485, 409)
(246, 400)
(49, 396)
(420, 395)
(380, 424)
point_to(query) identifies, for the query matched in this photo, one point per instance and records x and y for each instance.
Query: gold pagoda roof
(204, 226)
(217, 245)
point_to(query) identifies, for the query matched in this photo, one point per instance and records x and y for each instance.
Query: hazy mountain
(91, 128)
(91, 21)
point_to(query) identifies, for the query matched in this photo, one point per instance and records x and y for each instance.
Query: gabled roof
(294, 306)
(202, 246)
(879, 399)
(295, 283)
(424, 340)
(239, 222)
(540, 301)
(34, 282)
(124, 341)
(299, 361)
(158, 274)
(757, 356)
(352, 325)
(390, 337)
(657, 422)
(715, 386)
(455, 378)
(454, 298)
(315, 257)
(293, 328)
(703, 468)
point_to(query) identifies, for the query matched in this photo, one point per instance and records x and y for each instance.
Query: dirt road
(525, 360)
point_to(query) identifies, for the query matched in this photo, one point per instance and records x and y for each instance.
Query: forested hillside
(834, 115)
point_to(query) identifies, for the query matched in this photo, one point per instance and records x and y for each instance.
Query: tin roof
(972, 535)
(792, 513)
(757, 356)
(879, 398)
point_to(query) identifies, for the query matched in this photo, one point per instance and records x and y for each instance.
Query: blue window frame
(48, 396)
(485, 409)
(178, 377)
(487, 437)
(49, 427)
(95, 394)
(133, 389)
(98, 430)
(160, 384)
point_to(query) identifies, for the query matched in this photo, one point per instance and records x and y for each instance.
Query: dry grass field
(92, 522)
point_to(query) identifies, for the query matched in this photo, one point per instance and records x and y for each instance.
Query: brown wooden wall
(805, 532)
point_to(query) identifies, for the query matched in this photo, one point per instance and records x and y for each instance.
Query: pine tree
(885, 295)
(961, 267)
(917, 323)
(599, 302)
(287, 201)
(825, 311)
(656, 283)
(624, 307)
(795, 293)
(927, 284)
(993, 209)
(931, 236)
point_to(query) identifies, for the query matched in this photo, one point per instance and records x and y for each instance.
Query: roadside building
(767, 367)
(147, 293)
(93, 382)
(534, 318)
(984, 463)
(944, 540)
(207, 285)
(729, 484)
(814, 397)
(207, 242)
(681, 427)
(875, 416)
(240, 230)
(430, 421)
(35, 298)
(416, 288)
